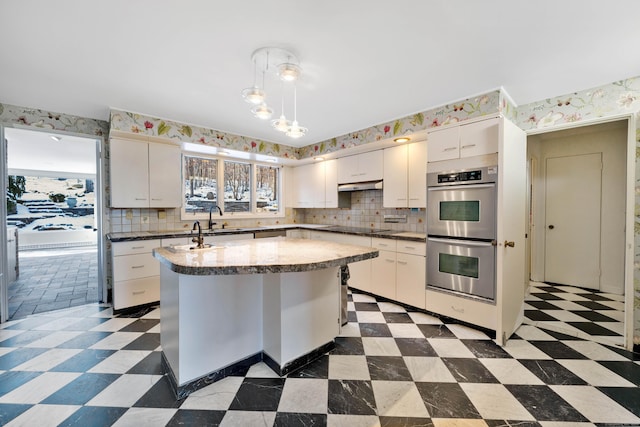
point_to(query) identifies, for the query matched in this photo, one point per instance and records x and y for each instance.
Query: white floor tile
(351, 329)
(405, 330)
(125, 391)
(348, 368)
(370, 317)
(594, 351)
(398, 399)
(47, 360)
(43, 416)
(389, 307)
(495, 402)
(261, 370)
(521, 349)
(564, 424)
(217, 396)
(352, 421)
(9, 333)
(428, 369)
(5, 350)
(510, 371)
(248, 418)
(145, 417)
(380, 346)
(116, 341)
(362, 298)
(54, 339)
(457, 422)
(614, 314)
(594, 373)
(424, 319)
(119, 362)
(447, 347)
(595, 405)
(39, 388)
(570, 296)
(563, 315)
(616, 305)
(617, 327)
(58, 324)
(155, 329)
(467, 333)
(113, 325)
(304, 395)
(153, 314)
(531, 333)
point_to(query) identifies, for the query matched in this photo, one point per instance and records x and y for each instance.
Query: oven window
(462, 210)
(458, 265)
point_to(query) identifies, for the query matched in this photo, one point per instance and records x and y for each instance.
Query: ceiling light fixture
(402, 139)
(56, 138)
(284, 64)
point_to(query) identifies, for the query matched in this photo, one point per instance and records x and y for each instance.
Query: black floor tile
(560, 336)
(86, 324)
(352, 317)
(160, 395)
(595, 296)
(388, 368)
(546, 296)
(544, 404)
(558, 350)
(83, 361)
(551, 289)
(366, 306)
(150, 365)
(509, 423)
(594, 329)
(191, 417)
(628, 371)
(447, 400)
(397, 318)
(258, 394)
(415, 347)
(291, 419)
(18, 357)
(9, 411)
(347, 346)
(31, 323)
(24, 338)
(374, 330)
(144, 342)
(629, 397)
(543, 305)
(85, 340)
(551, 372)
(539, 316)
(94, 416)
(11, 380)
(436, 331)
(593, 316)
(405, 422)
(469, 370)
(319, 368)
(486, 349)
(81, 390)
(593, 305)
(352, 397)
(140, 325)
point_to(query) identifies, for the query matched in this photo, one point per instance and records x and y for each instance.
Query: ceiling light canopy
(402, 139)
(274, 61)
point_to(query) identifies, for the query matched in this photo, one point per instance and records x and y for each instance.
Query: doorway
(577, 230)
(53, 218)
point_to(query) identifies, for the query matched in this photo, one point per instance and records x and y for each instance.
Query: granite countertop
(359, 231)
(272, 255)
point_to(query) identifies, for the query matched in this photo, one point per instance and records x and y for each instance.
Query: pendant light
(254, 95)
(295, 130)
(281, 124)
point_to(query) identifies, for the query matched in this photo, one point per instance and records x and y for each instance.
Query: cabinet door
(370, 166)
(479, 138)
(383, 275)
(300, 183)
(316, 186)
(417, 175)
(165, 189)
(347, 169)
(129, 162)
(394, 193)
(443, 144)
(410, 279)
(331, 184)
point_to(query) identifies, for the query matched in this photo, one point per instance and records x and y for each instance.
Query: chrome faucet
(199, 239)
(211, 223)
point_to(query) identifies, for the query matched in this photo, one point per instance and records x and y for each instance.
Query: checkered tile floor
(584, 313)
(391, 367)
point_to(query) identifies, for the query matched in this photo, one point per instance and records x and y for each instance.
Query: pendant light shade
(254, 95)
(295, 131)
(288, 72)
(262, 111)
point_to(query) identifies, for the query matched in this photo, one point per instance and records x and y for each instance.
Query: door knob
(509, 244)
(551, 227)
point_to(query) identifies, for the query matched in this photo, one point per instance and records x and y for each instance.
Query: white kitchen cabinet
(145, 174)
(309, 186)
(411, 273)
(298, 234)
(465, 140)
(405, 182)
(361, 167)
(136, 273)
(383, 268)
(330, 183)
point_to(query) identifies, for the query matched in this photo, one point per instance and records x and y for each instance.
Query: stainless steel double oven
(461, 232)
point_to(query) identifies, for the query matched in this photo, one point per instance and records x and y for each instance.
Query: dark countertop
(359, 231)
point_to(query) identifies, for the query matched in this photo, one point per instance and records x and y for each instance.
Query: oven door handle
(462, 242)
(461, 187)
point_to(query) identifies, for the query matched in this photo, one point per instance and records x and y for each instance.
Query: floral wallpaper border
(147, 125)
(33, 117)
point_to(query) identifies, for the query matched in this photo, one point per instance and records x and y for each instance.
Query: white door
(572, 212)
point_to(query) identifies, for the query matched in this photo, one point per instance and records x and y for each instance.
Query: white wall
(610, 139)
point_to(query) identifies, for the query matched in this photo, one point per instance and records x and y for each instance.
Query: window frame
(253, 211)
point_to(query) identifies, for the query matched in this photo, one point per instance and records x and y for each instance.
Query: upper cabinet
(466, 140)
(361, 167)
(405, 169)
(145, 174)
(315, 185)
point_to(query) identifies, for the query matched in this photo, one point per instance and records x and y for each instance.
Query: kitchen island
(234, 304)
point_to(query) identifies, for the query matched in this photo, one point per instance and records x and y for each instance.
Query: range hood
(359, 186)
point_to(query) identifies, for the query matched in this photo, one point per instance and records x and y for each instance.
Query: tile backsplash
(366, 211)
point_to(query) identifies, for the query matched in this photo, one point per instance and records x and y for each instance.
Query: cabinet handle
(403, 198)
(468, 146)
(138, 292)
(450, 148)
(137, 266)
(137, 247)
(413, 198)
(140, 198)
(410, 247)
(155, 199)
(459, 310)
(389, 260)
(402, 262)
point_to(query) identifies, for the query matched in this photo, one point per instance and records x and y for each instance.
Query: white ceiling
(364, 62)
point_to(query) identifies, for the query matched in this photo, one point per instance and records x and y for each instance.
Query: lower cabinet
(136, 273)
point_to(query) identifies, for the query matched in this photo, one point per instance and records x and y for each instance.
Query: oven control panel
(460, 177)
(468, 176)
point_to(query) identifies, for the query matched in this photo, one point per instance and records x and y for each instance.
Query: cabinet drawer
(130, 293)
(410, 247)
(383, 244)
(135, 266)
(465, 309)
(176, 241)
(134, 247)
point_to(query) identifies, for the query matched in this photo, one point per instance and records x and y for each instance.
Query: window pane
(200, 184)
(237, 187)
(267, 188)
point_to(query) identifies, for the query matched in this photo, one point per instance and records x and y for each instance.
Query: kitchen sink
(189, 248)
